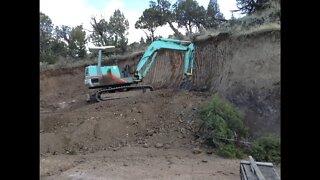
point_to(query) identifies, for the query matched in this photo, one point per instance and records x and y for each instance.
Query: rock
(125, 164)
(182, 130)
(160, 116)
(41, 131)
(116, 149)
(134, 109)
(203, 88)
(73, 101)
(167, 146)
(194, 108)
(150, 132)
(196, 150)
(159, 145)
(204, 160)
(146, 145)
(209, 152)
(123, 142)
(62, 105)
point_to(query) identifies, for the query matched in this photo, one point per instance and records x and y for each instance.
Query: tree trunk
(181, 36)
(189, 24)
(198, 28)
(116, 40)
(152, 35)
(66, 38)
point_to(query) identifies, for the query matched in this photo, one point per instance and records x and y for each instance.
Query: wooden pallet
(252, 170)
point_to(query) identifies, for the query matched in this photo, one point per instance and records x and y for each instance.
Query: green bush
(223, 121)
(224, 127)
(230, 151)
(266, 148)
(48, 58)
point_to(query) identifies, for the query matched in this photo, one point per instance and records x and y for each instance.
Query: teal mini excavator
(107, 79)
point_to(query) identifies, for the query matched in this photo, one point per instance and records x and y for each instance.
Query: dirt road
(140, 163)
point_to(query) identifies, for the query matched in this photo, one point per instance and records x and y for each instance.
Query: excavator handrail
(101, 47)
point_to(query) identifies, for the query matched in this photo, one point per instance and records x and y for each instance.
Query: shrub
(223, 119)
(230, 151)
(266, 148)
(47, 58)
(222, 122)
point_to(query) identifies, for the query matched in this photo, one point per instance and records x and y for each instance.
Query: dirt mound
(164, 116)
(62, 86)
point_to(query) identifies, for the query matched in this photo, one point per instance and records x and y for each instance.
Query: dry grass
(127, 56)
(260, 29)
(69, 63)
(260, 22)
(253, 31)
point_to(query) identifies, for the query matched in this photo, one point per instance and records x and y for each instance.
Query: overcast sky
(77, 12)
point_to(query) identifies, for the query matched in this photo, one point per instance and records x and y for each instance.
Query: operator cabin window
(87, 73)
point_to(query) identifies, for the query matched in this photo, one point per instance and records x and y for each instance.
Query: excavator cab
(97, 76)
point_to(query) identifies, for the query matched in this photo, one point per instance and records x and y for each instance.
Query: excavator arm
(162, 43)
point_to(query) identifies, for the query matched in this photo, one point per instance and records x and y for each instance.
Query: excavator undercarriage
(111, 93)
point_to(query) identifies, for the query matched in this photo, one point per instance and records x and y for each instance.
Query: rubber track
(102, 91)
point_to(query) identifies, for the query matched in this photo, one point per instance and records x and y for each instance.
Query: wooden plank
(258, 163)
(256, 169)
(243, 173)
(248, 172)
(269, 173)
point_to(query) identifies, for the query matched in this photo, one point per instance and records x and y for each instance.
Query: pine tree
(214, 16)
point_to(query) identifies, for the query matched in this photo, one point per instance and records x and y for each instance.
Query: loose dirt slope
(149, 135)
